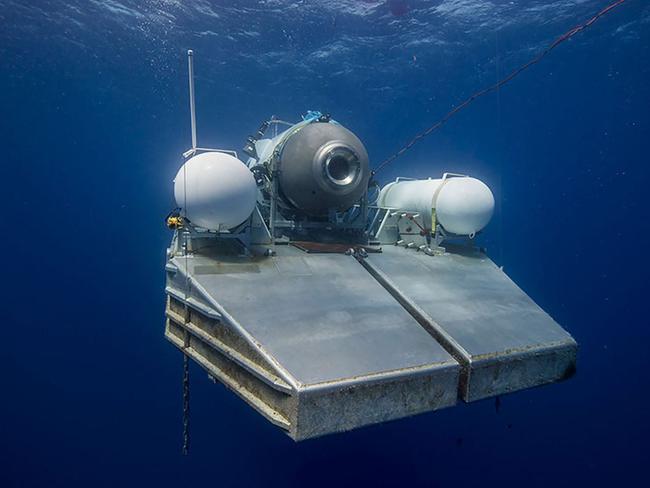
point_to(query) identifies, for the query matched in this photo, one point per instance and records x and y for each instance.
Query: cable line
(564, 37)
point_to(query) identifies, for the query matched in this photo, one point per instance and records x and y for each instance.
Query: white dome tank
(216, 190)
(463, 205)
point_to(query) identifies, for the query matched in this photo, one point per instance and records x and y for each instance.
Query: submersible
(326, 309)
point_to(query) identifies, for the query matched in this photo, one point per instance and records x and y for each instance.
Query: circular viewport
(342, 166)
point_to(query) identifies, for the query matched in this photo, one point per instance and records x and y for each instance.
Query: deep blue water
(93, 121)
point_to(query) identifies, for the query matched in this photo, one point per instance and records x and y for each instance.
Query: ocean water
(94, 118)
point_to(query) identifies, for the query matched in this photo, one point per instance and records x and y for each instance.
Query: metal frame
(308, 395)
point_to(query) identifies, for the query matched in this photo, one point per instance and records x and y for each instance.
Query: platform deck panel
(508, 341)
(323, 317)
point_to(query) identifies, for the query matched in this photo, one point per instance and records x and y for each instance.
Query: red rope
(500, 83)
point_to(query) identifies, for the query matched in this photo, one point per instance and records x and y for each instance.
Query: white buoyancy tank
(216, 190)
(463, 205)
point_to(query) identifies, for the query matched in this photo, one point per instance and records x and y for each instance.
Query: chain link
(186, 404)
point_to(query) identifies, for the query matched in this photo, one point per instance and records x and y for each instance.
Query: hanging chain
(186, 361)
(186, 358)
(186, 404)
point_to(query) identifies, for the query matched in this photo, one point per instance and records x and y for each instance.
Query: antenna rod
(190, 70)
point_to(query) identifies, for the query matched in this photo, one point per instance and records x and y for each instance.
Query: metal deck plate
(505, 341)
(321, 316)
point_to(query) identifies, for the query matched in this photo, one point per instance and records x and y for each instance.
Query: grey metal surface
(322, 317)
(322, 166)
(505, 341)
(323, 343)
